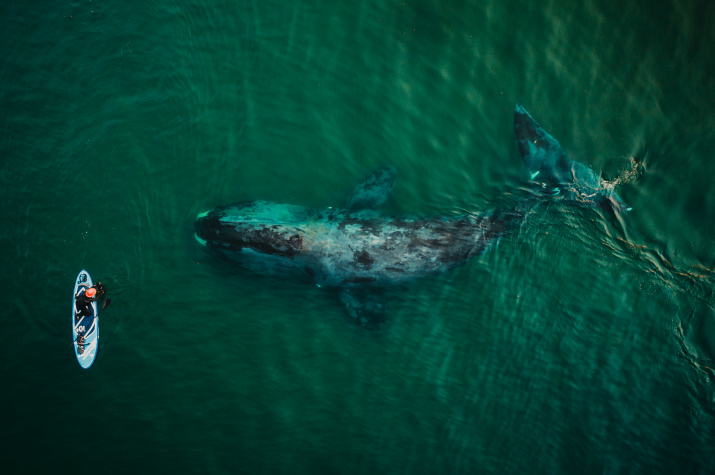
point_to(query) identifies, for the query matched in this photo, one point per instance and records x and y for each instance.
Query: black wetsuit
(83, 305)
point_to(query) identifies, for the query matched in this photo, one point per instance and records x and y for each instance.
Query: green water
(581, 344)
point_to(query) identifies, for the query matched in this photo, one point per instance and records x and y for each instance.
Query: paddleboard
(85, 329)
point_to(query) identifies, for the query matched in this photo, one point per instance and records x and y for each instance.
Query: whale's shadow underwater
(358, 251)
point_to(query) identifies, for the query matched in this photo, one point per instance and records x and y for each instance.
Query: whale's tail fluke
(552, 170)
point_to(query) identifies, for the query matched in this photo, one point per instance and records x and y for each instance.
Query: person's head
(91, 292)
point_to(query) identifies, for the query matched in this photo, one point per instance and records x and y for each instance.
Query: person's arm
(100, 290)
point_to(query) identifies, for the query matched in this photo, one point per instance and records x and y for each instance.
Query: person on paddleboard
(83, 302)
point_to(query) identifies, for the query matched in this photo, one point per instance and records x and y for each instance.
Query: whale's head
(253, 227)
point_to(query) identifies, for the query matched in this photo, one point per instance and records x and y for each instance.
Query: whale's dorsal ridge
(374, 190)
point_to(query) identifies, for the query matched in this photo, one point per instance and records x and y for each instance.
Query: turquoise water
(580, 344)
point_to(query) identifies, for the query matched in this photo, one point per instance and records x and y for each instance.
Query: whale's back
(344, 248)
(385, 251)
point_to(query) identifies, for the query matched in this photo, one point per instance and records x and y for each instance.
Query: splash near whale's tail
(554, 172)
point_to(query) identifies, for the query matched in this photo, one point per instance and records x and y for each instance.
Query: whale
(353, 249)
(358, 251)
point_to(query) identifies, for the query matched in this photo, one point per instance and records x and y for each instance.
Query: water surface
(581, 343)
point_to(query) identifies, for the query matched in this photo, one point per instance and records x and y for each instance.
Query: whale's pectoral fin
(374, 190)
(366, 306)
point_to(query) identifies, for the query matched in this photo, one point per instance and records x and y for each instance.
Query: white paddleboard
(85, 349)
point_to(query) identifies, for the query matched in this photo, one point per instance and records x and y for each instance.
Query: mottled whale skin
(347, 248)
(359, 251)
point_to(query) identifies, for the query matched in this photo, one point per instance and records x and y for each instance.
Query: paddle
(106, 304)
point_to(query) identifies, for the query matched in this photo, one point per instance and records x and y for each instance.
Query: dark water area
(582, 343)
